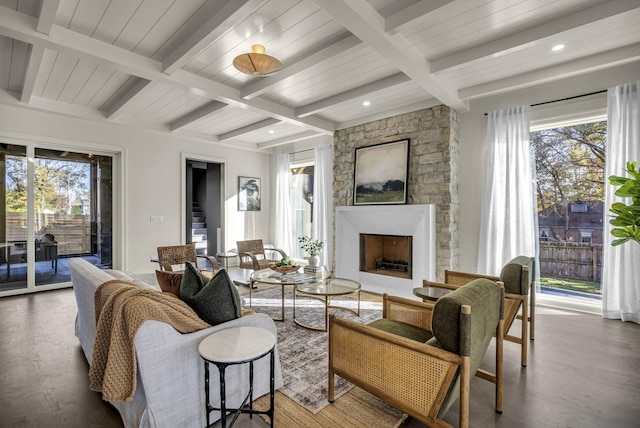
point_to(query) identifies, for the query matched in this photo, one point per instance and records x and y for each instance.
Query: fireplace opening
(386, 255)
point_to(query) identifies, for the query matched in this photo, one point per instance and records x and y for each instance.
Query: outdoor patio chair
(252, 254)
(518, 278)
(420, 356)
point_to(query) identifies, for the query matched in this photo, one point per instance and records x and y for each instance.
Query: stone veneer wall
(433, 168)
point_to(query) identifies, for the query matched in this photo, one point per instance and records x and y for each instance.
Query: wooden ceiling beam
(21, 26)
(220, 21)
(413, 15)
(612, 58)
(361, 19)
(360, 91)
(197, 114)
(517, 40)
(247, 129)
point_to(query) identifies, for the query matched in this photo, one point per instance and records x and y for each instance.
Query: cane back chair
(421, 355)
(519, 282)
(252, 254)
(169, 256)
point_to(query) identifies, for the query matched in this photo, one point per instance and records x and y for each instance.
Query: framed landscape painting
(381, 173)
(248, 194)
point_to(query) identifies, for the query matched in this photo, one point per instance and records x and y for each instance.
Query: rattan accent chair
(518, 278)
(169, 256)
(252, 254)
(420, 356)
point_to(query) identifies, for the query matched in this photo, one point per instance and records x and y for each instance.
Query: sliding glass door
(56, 205)
(13, 209)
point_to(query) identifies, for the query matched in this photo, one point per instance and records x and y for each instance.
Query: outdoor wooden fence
(571, 260)
(72, 231)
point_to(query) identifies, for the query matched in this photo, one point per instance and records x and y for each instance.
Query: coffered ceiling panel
(169, 63)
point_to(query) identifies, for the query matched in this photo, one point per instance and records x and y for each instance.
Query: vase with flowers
(312, 247)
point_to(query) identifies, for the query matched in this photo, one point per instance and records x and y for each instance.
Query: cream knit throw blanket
(121, 308)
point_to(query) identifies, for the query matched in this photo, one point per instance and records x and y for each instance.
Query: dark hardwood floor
(583, 372)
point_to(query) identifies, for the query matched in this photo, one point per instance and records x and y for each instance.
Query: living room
(150, 150)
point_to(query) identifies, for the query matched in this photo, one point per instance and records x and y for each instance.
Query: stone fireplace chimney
(433, 169)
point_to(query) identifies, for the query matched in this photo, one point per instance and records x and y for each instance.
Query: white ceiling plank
(140, 90)
(287, 140)
(367, 24)
(363, 90)
(20, 26)
(48, 10)
(550, 28)
(246, 129)
(31, 74)
(588, 64)
(223, 20)
(199, 113)
(335, 47)
(409, 108)
(413, 14)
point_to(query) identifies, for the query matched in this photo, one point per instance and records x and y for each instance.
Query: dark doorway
(204, 206)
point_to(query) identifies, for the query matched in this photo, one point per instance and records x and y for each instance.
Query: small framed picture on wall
(248, 194)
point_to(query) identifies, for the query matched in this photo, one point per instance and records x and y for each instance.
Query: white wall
(152, 175)
(473, 133)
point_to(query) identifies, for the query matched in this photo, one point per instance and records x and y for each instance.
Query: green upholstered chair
(420, 356)
(518, 278)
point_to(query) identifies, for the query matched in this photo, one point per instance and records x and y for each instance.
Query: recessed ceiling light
(366, 103)
(557, 48)
(271, 131)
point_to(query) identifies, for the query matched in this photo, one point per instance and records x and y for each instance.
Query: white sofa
(170, 373)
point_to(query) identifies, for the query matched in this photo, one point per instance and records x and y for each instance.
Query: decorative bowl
(284, 269)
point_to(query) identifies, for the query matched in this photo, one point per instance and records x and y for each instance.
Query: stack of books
(317, 271)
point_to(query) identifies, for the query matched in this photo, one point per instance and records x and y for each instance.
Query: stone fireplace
(432, 181)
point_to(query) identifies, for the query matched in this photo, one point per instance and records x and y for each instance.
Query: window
(570, 183)
(302, 204)
(544, 234)
(586, 236)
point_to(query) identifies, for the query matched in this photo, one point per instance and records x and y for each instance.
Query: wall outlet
(156, 219)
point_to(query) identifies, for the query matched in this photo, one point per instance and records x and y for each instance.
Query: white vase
(314, 261)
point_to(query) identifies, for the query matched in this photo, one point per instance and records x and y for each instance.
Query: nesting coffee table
(270, 277)
(324, 289)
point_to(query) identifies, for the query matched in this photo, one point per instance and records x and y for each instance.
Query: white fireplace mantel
(417, 221)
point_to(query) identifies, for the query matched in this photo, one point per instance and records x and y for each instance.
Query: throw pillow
(216, 300)
(169, 282)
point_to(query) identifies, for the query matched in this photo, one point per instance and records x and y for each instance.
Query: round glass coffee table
(324, 289)
(271, 277)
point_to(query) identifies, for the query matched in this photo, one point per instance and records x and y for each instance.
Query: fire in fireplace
(386, 255)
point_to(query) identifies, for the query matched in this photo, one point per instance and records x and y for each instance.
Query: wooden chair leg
(499, 364)
(532, 311)
(525, 329)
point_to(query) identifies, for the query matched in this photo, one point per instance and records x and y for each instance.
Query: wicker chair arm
(461, 278)
(165, 266)
(282, 253)
(214, 263)
(408, 311)
(254, 260)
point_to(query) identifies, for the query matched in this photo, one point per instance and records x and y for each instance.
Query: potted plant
(312, 247)
(626, 218)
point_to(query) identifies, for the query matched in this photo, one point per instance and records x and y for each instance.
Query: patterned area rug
(303, 352)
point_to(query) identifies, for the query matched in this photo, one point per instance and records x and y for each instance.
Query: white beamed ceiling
(164, 64)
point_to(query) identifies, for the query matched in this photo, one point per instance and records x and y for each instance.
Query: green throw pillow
(215, 300)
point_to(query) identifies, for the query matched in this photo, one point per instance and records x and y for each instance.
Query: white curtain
(323, 202)
(283, 228)
(508, 215)
(621, 264)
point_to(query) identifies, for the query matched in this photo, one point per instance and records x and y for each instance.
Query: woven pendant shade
(257, 63)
